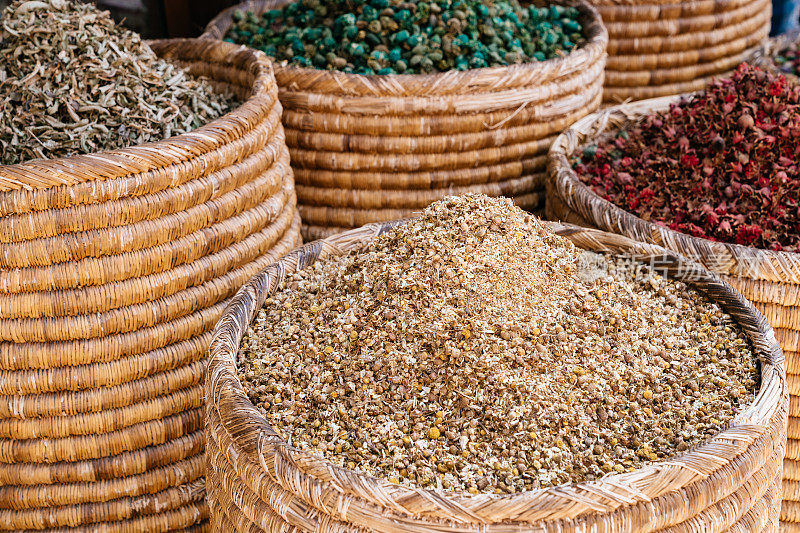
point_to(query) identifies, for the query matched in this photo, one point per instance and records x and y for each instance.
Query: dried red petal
(720, 165)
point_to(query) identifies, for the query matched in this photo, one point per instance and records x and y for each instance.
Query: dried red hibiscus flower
(721, 164)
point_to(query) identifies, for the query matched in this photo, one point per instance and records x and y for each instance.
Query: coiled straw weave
(377, 148)
(667, 47)
(771, 280)
(114, 268)
(258, 482)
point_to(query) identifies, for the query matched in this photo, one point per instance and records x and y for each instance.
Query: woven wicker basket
(658, 49)
(257, 482)
(771, 280)
(114, 268)
(377, 148)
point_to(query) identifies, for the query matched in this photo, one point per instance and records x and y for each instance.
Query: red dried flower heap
(721, 164)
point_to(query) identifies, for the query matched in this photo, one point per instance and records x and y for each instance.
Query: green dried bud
(428, 36)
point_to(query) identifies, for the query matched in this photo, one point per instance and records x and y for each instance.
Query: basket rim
(223, 384)
(596, 43)
(563, 182)
(32, 174)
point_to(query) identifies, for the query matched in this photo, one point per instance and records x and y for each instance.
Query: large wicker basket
(661, 48)
(378, 148)
(771, 280)
(257, 482)
(114, 268)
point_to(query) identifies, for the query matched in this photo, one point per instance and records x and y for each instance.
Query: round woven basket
(771, 280)
(657, 48)
(764, 57)
(377, 148)
(114, 268)
(258, 482)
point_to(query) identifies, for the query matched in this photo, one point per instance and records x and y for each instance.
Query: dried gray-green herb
(73, 82)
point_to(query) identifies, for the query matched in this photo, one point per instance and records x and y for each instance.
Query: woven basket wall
(378, 148)
(114, 268)
(771, 280)
(660, 48)
(257, 482)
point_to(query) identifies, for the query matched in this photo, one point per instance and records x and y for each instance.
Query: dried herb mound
(472, 349)
(721, 165)
(788, 59)
(72, 82)
(411, 37)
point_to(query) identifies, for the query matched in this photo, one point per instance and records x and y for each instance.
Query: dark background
(163, 18)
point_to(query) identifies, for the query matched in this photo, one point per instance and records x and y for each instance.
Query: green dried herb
(788, 59)
(397, 37)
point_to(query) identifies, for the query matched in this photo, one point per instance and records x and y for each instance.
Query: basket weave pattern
(257, 482)
(378, 148)
(661, 48)
(771, 280)
(114, 268)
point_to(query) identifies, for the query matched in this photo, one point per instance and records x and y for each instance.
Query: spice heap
(788, 59)
(473, 349)
(72, 82)
(721, 164)
(411, 37)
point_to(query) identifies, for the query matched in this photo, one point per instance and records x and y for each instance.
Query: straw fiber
(662, 48)
(257, 482)
(771, 280)
(375, 148)
(114, 268)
